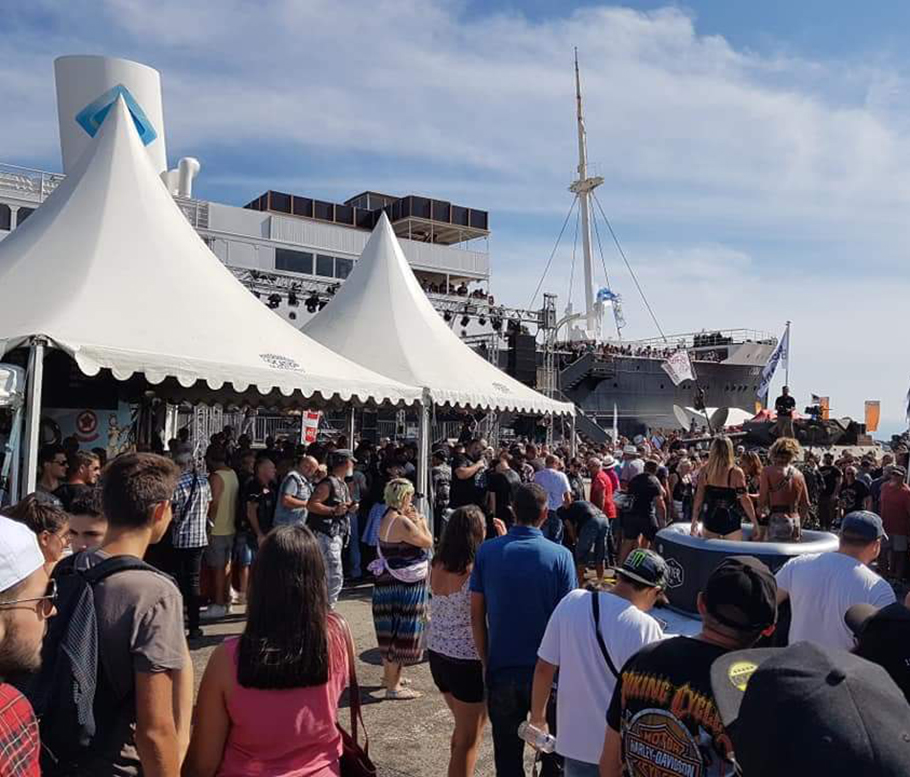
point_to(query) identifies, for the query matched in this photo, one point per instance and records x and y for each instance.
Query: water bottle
(539, 740)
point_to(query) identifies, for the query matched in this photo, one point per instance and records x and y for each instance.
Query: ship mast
(582, 188)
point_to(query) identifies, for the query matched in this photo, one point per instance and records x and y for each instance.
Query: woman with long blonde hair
(721, 498)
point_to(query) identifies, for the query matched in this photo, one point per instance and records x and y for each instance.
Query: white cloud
(749, 188)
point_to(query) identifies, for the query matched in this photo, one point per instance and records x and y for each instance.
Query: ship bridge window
(343, 267)
(459, 215)
(5, 217)
(325, 266)
(441, 210)
(420, 207)
(293, 261)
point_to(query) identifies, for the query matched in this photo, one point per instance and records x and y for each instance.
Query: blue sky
(756, 155)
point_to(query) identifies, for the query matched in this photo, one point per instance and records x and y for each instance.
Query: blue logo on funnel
(92, 116)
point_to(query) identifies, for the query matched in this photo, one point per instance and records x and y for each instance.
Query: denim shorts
(573, 768)
(592, 541)
(218, 553)
(245, 549)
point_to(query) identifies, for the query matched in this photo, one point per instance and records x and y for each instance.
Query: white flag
(781, 355)
(679, 368)
(615, 424)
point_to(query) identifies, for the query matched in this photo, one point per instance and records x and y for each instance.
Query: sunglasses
(48, 600)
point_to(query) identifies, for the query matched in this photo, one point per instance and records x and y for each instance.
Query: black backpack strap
(595, 610)
(111, 566)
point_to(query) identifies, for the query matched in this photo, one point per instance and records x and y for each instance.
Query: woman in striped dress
(400, 590)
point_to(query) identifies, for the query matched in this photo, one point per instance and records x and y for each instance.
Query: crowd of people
(533, 591)
(570, 351)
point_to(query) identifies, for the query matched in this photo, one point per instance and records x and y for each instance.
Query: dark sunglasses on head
(49, 598)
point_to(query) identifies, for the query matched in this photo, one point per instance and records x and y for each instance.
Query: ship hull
(644, 395)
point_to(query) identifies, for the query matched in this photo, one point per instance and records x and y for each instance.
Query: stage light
(447, 316)
(292, 299)
(274, 301)
(323, 303)
(465, 320)
(312, 303)
(496, 322)
(292, 315)
(482, 320)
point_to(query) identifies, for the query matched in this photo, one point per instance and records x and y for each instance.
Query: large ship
(292, 251)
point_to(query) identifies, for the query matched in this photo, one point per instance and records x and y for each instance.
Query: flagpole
(787, 366)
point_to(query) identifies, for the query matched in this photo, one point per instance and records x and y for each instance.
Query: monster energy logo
(636, 558)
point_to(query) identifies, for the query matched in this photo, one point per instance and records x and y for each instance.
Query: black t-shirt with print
(852, 496)
(785, 405)
(664, 709)
(643, 489)
(265, 497)
(470, 491)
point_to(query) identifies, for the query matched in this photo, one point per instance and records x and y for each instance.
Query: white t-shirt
(555, 483)
(585, 683)
(822, 587)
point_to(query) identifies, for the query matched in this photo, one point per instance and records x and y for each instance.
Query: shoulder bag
(355, 760)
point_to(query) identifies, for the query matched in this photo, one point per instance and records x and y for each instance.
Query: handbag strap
(353, 685)
(595, 611)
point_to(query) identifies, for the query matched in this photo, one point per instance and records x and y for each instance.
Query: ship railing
(27, 183)
(707, 338)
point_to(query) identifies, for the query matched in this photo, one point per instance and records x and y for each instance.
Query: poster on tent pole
(310, 427)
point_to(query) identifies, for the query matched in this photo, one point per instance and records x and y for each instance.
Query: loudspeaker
(522, 361)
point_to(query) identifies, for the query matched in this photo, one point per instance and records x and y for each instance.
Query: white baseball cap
(20, 554)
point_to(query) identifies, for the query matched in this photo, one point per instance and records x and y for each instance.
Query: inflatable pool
(692, 559)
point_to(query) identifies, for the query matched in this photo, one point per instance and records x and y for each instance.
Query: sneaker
(214, 611)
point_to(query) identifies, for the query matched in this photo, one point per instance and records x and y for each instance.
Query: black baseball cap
(863, 524)
(811, 709)
(741, 593)
(645, 567)
(883, 637)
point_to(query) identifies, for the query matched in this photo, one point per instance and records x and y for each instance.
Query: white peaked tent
(109, 270)
(381, 318)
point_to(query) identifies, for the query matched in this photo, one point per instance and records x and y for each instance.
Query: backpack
(72, 698)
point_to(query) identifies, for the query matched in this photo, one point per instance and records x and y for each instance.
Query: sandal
(403, 694)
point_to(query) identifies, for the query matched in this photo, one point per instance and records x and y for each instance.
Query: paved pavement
(407, 738)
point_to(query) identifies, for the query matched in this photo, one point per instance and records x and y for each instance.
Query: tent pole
(572, 443)
(33, 414)
(423, 458)
(349, 427)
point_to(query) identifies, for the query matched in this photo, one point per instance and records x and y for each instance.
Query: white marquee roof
(109, 270)
(381, 318)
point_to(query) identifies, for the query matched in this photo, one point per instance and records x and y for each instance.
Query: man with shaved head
(295, 491)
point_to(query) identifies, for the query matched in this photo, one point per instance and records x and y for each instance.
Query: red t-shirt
(602, 494)
(20, 749)
(895, 509)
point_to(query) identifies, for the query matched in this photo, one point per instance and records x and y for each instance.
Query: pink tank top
(289, 732)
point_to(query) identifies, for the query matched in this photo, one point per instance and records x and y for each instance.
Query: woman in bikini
(783, 499)
(721, 498)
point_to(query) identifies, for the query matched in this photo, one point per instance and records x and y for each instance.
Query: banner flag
(873, 412)
(781, 355)
(679, 367)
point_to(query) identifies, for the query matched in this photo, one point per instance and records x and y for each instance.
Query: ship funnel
(187, 170)
(87, 87)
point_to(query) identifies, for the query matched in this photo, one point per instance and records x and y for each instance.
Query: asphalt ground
(406, 737)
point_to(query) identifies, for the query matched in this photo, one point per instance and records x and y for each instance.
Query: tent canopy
(109, 270)
(381, 318)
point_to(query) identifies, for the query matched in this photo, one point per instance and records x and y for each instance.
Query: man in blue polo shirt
(516, 584)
